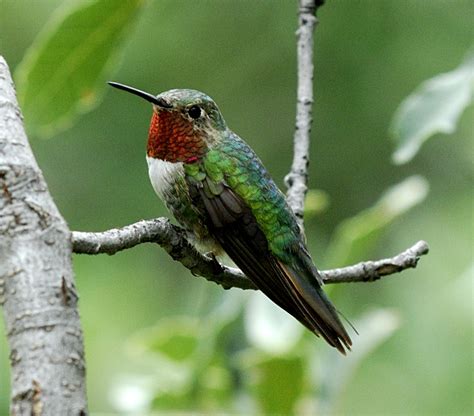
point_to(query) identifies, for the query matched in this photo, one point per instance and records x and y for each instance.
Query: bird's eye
(194, 111)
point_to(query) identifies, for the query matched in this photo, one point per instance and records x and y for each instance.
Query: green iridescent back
(232, 161)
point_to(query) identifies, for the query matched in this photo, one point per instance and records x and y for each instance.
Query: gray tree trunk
(37, 289)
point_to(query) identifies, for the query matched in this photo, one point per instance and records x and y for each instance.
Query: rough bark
(37, 289)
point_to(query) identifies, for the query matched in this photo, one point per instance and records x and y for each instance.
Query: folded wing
(295, 288)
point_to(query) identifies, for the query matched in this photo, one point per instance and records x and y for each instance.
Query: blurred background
(158, 338)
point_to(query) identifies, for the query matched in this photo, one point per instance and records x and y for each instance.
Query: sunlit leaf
(434, 107)
(336, 371)
(132, 394)
(63, 72)
(355, 237)
(456, 295)
(270, 328)
(316, 202)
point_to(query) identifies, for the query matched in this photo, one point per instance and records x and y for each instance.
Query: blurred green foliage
(158, 338)
(356, 236)
(434, 107)
(65, 67)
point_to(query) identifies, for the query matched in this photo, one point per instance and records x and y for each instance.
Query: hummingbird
(218, 190)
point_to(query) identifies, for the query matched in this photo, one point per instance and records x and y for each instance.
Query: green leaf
(434, 107)
(216, 387)
(175, 339)
(317, 201)
(355, 237)
(275, 382)
(64, 71)
(171, 349)
(336, 371)
(455, 297)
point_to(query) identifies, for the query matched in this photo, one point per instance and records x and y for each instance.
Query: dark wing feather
(234, 226)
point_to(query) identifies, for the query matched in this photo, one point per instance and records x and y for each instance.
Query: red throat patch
(172, 138)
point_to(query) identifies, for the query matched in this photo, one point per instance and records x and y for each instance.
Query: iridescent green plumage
(224, 197)
(233, 162)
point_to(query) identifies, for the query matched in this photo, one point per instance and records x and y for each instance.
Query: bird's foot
(216, 266)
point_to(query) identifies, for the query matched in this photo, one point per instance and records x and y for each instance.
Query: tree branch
(173, 240)
(297, 179)
(37, 289)
(168, 236)
(369, 271)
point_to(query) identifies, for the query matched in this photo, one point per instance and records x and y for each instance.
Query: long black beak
(150, 98)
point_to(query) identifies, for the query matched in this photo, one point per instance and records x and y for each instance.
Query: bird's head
(184, 125)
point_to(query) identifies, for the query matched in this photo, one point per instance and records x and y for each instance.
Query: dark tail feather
(319, 314)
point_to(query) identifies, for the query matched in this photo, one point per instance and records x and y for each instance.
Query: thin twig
(297, 179)
(369, 271)
(173, 240)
